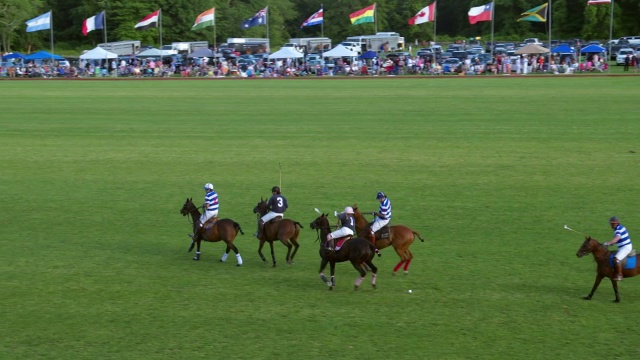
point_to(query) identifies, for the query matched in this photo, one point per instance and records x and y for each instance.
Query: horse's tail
(238, 228)
(418, 235)
(297, 223)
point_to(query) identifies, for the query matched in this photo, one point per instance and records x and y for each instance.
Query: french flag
(314, 19)
(93, 23)
(481, 13)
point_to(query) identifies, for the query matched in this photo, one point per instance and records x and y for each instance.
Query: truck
(189, 46)
(313, 45)
(248, 45)
(382, 41)
(125, 47)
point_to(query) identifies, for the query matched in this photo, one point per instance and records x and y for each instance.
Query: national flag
(260, 18)
(149, 21)
(205, 19)
(537, 14)
(42, 22)
(93, 23)
(425, 15)
(481, 13)
(315, 19)
(598, 2)
(363, 16)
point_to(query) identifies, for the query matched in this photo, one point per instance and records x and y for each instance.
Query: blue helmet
(381, 195)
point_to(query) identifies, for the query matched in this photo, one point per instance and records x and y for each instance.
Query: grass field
(93, 260)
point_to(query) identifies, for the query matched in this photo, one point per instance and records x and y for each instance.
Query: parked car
(622, 54)
(444, 56)
(315, 64)
(424, 51)
(451, 64)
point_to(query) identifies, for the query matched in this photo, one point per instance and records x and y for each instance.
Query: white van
(633, 40)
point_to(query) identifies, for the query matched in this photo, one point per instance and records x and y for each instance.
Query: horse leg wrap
(324, 279)
(373, 279)
(358, 281)
(398, 266)
(406, 266)
(239, 258)
(224, 257)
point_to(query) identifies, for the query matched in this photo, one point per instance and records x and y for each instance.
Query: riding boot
(260, 229)
(198, 231)
(373, 241)
(618, 270)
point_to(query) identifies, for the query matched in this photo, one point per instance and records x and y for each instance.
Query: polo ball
(409, 291)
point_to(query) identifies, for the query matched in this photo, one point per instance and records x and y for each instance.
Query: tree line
(570, 19)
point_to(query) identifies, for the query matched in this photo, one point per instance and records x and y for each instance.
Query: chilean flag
(425, 15)
(481, 13)
(93, 23)
(314, 19)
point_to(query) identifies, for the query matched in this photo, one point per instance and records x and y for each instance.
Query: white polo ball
(409, 291)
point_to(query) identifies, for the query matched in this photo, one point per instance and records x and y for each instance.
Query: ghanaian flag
(537, 14)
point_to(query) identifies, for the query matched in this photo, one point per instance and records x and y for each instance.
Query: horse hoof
(406, 273)
(374, 286)
(330, 288)
(355, 288)
(195, 258)
(586, 298)
(616, 301)
(238, 265)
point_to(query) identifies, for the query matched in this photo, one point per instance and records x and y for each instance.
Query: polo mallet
(570, 229)
(318, 211)
(280, 165)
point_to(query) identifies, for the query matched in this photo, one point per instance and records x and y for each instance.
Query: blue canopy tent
(13, 55)
(368, 55)
(563, 49)
(592, 49)
(43, 55)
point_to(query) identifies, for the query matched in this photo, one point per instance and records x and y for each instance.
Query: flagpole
(268, 39)
(435, 20)
(493, 5)
(215, 45)
(51, 38)
(610, 36)
(549, 10)
(104, 34)
(322, 24)
(375, 17)
(160, 21)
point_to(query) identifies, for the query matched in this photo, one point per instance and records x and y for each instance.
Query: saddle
(338, 243)
(274, 220)
(383, 233)
(209, 223)
(628, 262)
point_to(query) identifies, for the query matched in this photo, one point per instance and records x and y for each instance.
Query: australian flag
(314, 19)
(260, 18)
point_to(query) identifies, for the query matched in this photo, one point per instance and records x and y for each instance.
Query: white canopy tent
(97, 54)
(286, 53)
(155, 53)
(340, 51)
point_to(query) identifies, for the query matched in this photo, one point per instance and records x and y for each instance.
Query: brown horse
(285, 230)
(602, 256)
(400, 237)
(223, 229)
(358, 251)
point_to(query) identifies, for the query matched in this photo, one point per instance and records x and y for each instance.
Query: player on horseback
(622, 239)
(210, 209)
(382, 217)
(348, 227)
(277, 205)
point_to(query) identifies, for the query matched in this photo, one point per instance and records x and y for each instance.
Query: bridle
(320, 228)
(189, 212)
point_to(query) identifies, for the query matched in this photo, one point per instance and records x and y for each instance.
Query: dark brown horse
(400, 237)
(222, 230)
(285, 230)
(358, 251)
(602, 255)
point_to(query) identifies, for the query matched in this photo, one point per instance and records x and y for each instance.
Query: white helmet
(348, 210)
(208, 186)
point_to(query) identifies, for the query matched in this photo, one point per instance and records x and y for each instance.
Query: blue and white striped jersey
(385, 209)
(624, 236)
(211, 201)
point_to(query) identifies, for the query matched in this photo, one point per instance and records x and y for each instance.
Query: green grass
(93, 260)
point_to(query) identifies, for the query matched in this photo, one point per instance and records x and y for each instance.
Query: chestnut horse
(358, 251)
(223, 229)
(285, 230)
(400, 237)
(602, 256)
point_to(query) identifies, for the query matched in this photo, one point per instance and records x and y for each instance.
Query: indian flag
(205, 19)
(363, 16)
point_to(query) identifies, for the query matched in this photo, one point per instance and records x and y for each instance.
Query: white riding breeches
(379, 224)
(268, 216)
(207, 215)
(340, 233)
(623, 252)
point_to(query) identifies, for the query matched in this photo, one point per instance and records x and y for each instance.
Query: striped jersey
(385, 209)
(211, 201)
(624, 236)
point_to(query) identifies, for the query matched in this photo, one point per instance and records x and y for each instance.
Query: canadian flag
(425, 15)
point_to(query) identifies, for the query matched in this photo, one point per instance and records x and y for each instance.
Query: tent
(97, 54)
(202, 52)
(563, 49)
(340, 51)
(153, 52)
(369, 55)
(592, 49)
(532, 49)
(286, 53)
(13, 55)
(42, 55)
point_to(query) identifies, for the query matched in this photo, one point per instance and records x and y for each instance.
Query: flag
(93, 23)
(363, 16)
(149, 21)
(315, 19)
(425, 15)
(42, 22)
(207, 18)
(537, 14)
(481, 13)
(597, 2)
(260, 18)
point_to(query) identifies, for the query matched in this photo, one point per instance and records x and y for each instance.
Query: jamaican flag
(537, 14)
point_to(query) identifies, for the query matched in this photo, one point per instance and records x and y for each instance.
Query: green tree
(13, 14)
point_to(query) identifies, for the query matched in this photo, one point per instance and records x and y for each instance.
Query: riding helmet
(614, 220)
(381, 195)
(348, 210)
(275, 189)
(208, 186)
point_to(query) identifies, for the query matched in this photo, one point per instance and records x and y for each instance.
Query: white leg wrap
(224, 257)
(239, 259)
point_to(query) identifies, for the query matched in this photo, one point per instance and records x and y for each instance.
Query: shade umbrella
(14, 55)
(532, 49)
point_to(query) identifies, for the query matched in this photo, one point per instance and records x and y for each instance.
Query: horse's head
(588, 246)
(188, 207)
(261, 209)
(320, 223)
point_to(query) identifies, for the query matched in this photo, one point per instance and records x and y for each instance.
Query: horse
(602, 257)
(285, 230)
(223, 229)
(400, 237)
(358, 251)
